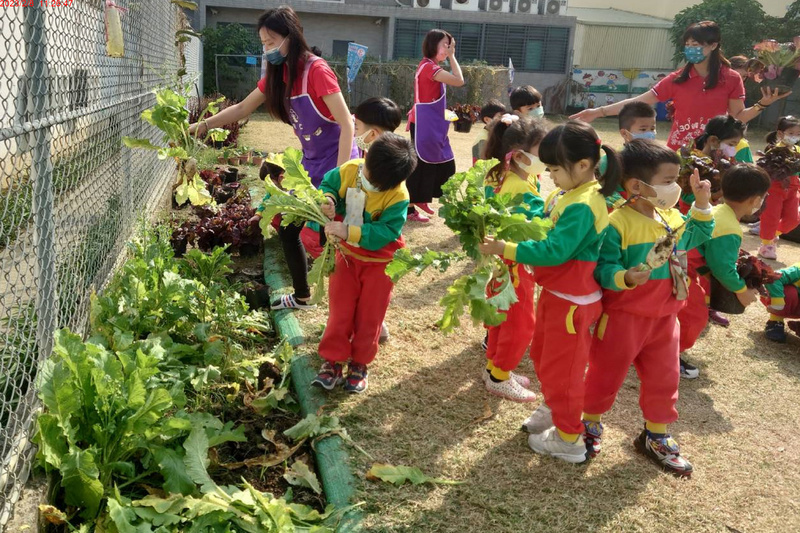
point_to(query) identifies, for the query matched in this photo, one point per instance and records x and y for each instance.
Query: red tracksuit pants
(780, 213)
(359, 295)
(509, 340)
(560, 350)
(651, 344)
(693, 317)
(791, 307)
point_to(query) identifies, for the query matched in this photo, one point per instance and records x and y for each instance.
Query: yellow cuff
(331, 196)
(654, 427)
(353, 234)
(510, 252)
(698, 215)
(619, 280)
(740, 291)
(777, 303)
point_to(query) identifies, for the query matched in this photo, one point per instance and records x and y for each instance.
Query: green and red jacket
(719, 254)
(384, 215)
(630, 237)
(789, 276)
(566, 259)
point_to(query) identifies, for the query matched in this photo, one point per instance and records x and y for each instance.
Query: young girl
(570, 300)
(514, 141)
(780, 213)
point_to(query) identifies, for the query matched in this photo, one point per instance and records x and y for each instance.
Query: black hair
(431, 42)
(525, 95)
(738, 62)
(722, 127)
(705, 32)
(316, 51)
(380, 112)
(268, 169)
(283, 21)
(633, 110)
(641, 159)
(784, 124)
(575, 140)
(744, 181)
(390, 161)
(503, 138)
(492, 108)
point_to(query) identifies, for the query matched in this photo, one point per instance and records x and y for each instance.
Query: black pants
(296, 258)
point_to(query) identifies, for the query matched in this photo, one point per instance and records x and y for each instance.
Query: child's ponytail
(494, 145)
(612, 177)
(772, 137)
(509, 133)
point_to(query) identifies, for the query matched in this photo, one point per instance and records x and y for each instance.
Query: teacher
(428, 124)
(706, 87)
(299, 89)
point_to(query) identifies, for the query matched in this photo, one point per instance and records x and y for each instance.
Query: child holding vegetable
(644, 287)
(570, 300)
(514, 141)
(780, 213)
(743, 189)
(372, 197)
(782, 302)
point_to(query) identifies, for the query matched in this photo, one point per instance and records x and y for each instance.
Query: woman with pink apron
(299, 89)
(428, 124)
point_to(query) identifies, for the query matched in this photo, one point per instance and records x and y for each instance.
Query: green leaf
(300, 475)
(196, 459)
(131, 142)
(186, 4)
(312, 426)
(322, 268)
(404, 262)
(174, 151)
(173, 469)
(398, 475)
(124, 516)
(51, 440)
(80, 479)
(218, 134)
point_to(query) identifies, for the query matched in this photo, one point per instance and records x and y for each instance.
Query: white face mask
(361, 141)
(365, 184)
(728, 150)
(666, 195)
(536, 112)
(791, 139)
(756, 208)
(535, 167)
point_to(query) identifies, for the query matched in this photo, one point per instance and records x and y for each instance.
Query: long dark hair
(575, 140)
(722, 127)
(706, 32)
(784, 124)
(504, 138)
(283, 21)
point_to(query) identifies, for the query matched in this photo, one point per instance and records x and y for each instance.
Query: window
(340, 48)
(531, 48)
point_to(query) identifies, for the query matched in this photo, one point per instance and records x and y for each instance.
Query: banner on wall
(601, 87)
(355, 57)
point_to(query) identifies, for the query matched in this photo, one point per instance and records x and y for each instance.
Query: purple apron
(431, 128)
(318, 135)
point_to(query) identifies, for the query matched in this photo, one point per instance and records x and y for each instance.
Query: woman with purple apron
(428, 124)
(299, 89)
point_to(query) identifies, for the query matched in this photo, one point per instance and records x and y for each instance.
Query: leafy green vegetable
(405, 262)
(313, 426)
(397, 475)
(299, 474)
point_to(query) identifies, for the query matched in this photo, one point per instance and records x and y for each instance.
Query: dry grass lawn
(426, 407)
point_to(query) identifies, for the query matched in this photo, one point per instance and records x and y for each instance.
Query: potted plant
(230, 155)
(258, 158)
(244, 155)
(467, 115)
(776, 64)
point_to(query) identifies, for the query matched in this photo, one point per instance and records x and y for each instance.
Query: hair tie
(599, 142)
(508, 119)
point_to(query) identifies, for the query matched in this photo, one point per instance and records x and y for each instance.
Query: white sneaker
(768, 251)
(755, 228)
(510, 390)
(550, 443)
(519, 378)
(384, 336)
(540, 420)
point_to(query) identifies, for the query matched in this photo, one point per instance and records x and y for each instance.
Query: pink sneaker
(416, 216)
(718, 318)
(768, 251)
(427, 208)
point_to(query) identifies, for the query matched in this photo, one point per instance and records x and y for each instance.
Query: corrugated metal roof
(622, 47)
(616, 17)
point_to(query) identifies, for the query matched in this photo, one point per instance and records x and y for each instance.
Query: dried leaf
(398, 475)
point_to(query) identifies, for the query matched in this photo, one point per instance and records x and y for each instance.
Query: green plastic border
(333, 461)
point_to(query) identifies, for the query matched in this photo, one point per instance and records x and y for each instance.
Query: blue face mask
(274, 55)
(644, 135)
(694, 54)
(536, 112)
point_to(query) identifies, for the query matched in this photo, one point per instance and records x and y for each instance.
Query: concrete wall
(669, 8)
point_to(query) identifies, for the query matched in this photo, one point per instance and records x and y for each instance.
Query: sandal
(288, 301)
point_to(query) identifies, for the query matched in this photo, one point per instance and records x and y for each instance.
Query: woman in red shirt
(428, 124)
(299, 89)
(704, 88)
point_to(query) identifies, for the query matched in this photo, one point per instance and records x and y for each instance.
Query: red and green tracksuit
(639, 324)
(780, 213)
(716, 257)
(360, 290)
(570, 302)
(509, 340)
(783, 301)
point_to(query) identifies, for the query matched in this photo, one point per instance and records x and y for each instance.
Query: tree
(227, 39)
(784, 29)
(742, 22)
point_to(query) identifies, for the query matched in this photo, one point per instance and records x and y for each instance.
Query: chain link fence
(70, 193)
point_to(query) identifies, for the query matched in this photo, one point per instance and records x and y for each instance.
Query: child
(780, 213)
(743, 189)
(640, 302)
(719, 140)
(490, 112)
(514, 142)
(526, 101)
(783, 302)
(570, 299)
(370, 193)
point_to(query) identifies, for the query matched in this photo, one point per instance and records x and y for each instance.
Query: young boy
(783, 302)
(526, 101)
(372, 197)
(641, 299)
(491, 111)
(743, 189)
